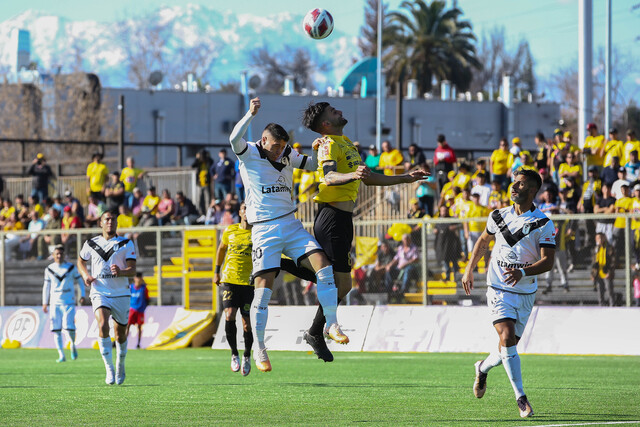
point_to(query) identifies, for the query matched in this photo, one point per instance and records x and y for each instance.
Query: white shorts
(509, 305)
(62, 317)
(119, 306)
(280, 236)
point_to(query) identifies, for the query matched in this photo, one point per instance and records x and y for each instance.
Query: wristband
(218, 269)
(523, 272)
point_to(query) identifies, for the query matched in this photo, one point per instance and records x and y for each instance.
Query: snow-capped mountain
(225, 40)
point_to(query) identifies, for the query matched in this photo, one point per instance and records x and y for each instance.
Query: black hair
(441, 138)
(139, 274)
(311, 116)
(531, 175)
(277, 132)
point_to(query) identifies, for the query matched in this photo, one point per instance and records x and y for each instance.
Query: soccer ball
(318, 24)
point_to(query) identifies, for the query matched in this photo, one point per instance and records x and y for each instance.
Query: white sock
(121, 352)
(260, 313)
(105, 349)
(72, 339)
(511, 361)
(491, 361)
(57, 337)
(327, 294)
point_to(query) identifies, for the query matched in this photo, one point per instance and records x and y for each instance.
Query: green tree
(429, 42)
(368, 40)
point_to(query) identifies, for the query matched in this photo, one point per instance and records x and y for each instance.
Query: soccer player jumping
(524, 248)
(266, 168)
(113, 261)
(234, 252)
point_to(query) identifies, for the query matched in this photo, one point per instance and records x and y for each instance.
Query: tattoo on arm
(331, 175)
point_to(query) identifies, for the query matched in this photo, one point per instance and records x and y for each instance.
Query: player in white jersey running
(59, 293)
(524, 248)
(266, 167)
(113, 261)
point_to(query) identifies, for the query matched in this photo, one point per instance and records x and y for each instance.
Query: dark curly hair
(311, 116)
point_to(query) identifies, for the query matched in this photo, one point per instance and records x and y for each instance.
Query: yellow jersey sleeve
(340, 150)
(237, 262)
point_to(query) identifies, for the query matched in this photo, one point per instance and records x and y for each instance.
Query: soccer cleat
(74, 353)
(235, 362)
(120, 375)
(262, 360)
(246, 366)
(319, 346)
(525, 407)
(111, 376)
(335, 333)
(480, 384)
(61, 359)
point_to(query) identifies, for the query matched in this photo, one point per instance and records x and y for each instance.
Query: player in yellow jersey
(340, 170)
(234, 254)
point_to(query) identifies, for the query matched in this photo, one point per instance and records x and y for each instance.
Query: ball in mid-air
(318, 24)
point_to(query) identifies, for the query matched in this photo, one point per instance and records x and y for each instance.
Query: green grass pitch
(196, 387)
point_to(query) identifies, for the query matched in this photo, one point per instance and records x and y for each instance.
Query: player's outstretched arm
(238, 144)
(333, 177)
(479, 250)
(381, 180)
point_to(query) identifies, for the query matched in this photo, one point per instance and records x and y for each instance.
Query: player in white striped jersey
(524, 248)
(58, 293)
(267, 167)
(113, 261)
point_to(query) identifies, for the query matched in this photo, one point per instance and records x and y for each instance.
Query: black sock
(303, 273)
(231, 330)
(317, 327)
(248, 343)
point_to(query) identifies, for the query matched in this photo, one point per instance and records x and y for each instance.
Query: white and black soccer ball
(318, 24)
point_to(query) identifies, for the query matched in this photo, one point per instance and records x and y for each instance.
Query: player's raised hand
(254, 106)
(362, 172)
(512, 276)
(467, 282)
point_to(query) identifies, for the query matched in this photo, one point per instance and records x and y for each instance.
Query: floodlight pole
(585, 59)
(121, 133)
(244, 88)
(607, 72)
(379, 99)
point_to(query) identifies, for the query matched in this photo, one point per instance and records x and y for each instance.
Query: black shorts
(237, 296)
(333, 229)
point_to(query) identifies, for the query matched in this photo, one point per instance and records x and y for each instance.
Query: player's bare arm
(220, 255)
(547, 258)
(333, 177)
(130, 271)
(82, 269)
(385, 180)
(479, 250)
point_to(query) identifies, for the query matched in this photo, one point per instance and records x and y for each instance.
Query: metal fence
(433, 279)
(172, 180)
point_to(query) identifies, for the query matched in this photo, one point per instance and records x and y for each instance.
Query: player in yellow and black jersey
(340, 169)
(233, 275)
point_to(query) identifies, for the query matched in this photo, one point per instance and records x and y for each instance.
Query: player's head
(137, 279)
(109, 222)
(58, 253)
(274, 139)
(324, 119)
(526, 183)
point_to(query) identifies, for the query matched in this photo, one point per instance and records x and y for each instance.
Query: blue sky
(550, 26)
